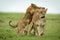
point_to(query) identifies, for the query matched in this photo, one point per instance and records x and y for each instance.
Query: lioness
(26, 20)
(38, 19)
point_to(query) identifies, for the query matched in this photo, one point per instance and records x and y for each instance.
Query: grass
(52, 28)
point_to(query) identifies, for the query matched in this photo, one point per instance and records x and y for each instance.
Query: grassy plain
(52, 28)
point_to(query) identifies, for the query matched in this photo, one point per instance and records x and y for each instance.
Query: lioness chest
(40, 22)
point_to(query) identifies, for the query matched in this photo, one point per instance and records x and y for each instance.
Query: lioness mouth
(43, 17)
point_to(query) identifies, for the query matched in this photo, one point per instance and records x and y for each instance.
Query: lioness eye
(44, 11)
(41, 11)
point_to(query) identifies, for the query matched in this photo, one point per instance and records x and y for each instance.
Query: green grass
(52, 28)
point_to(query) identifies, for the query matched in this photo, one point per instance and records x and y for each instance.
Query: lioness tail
(14, 26)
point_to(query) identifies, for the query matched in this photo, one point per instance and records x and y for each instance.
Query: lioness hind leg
(26, 31)
(36, 30)
(20, 32)
(20, 29)
(28, 28)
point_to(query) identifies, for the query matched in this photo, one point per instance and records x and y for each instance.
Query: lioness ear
(33, 5)
(43, 7)
(46, 9)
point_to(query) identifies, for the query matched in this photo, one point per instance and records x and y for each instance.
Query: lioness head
(41, 12)
(32, 8)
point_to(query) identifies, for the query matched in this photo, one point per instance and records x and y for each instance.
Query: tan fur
(27, 20)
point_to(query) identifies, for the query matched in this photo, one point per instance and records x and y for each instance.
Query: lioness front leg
(42, 30)
(42, 27)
